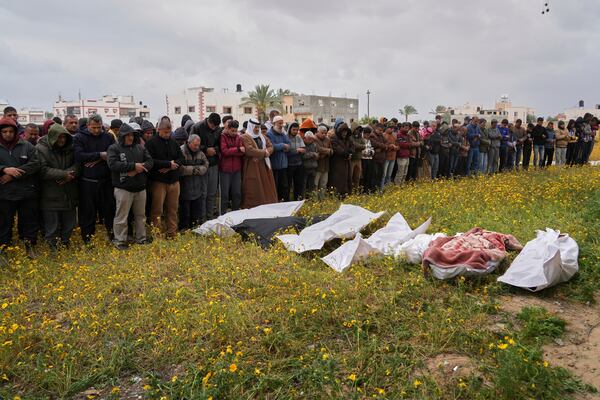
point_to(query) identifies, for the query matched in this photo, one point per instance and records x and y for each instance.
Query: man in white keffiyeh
(258, 185)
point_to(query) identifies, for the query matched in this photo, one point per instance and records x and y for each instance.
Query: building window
(177, 110)
(114, 110)
(291, 111)
(211, 109)
(332, 120)
(301, 103)
(320, 119)
(333, 104)
(351, 105)
(227, 110)
(191, 109)
(247, 110)
(106, 111)
(286, 109)
(320, 102)
(516, 114)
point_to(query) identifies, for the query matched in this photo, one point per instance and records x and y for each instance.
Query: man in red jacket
(230, 167)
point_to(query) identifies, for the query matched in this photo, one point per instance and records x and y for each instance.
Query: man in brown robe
(340, 172)
(258, 185)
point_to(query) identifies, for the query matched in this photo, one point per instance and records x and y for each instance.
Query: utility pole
(368, 103)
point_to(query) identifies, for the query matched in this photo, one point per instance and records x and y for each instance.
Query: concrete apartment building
(503, 109)
(199, 102)
(321, 109)
(108, 107)
(27, 115)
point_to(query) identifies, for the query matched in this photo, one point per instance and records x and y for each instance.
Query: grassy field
(200, 318)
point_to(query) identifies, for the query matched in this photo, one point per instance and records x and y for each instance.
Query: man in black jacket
(95, 188)
(539, 142)
(19, 166)
(129, 163)
(164, 177)
(210, 137)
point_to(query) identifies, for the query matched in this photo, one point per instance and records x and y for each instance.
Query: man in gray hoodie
(494, 150)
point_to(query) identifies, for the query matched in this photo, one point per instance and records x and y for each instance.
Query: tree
(407, 111)
(443, 111)
(365, 120)
(531, 119)
(263, 98)
(284, 92)
(551, 119)
(439, 110)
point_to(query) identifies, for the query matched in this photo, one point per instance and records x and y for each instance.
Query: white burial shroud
(222, 226)
(386, 241)
(547, 260)
(345, 223)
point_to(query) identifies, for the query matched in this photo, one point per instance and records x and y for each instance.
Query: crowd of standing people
(81, 171)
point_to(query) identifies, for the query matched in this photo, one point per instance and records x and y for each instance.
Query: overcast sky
(419, 52)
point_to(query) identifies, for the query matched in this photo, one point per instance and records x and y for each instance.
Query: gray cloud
(422, 52)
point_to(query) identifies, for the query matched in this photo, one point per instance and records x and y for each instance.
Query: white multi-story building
(28, 115)
(35, 115)
(576, 112)
(199, 102)
(503, 109)
(108, 107)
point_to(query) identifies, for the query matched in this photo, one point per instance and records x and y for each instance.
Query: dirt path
(579, 349)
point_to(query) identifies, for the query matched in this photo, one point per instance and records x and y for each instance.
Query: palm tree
(443, 111)
(439, 110)
(407, 111)
(263, 98)
(284, 92)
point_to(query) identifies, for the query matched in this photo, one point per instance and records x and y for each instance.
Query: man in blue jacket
(474, 138)
(95, 188)
(279, 160)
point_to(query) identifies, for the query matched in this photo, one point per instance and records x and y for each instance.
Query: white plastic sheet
(345, 223)
(413, 250)
(462, 270)
(385, 241)
(547, 260)
(221, 226)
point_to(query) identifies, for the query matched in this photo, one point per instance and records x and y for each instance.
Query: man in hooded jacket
(19, 165)
(129, 163)
(58, 178)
